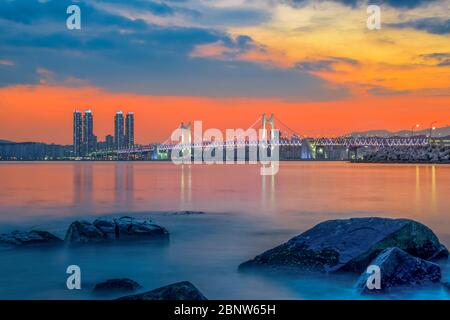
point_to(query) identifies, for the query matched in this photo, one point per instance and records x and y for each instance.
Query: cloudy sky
(313, 63)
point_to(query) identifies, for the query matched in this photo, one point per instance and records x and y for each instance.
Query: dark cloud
(314, 66)
(158, 8)
(441, 59)
(355, 3)
(402, 3)
(323, 65)
(124, 54)
(430, 25)
(240, 45)
(232, 16)
(381, 91)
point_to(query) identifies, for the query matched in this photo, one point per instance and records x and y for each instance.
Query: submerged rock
(26, 238)
(116, 286)
(128, 228)
(84, 232)
(399, 269)
(107, 227)
(446, 284)
(349, 245)
(124, 228)
(177, 291)
(186, 213)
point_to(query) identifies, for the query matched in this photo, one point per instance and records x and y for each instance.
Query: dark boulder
(446, 284)
(399, 269)
(107, 227)
(186, 213)
(84, 232)
(104, 230)
(114, 286)
(177, 291)
(128, 228)
(348, 245)
(28, 238)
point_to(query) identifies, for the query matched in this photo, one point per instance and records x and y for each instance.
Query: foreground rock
(177, 291)
(348, 245)
(446, 285)
(185, 213)
(29, 238)
(114, 286)
(128, 228)
(83, 232)
(397, 269)
(123, 229)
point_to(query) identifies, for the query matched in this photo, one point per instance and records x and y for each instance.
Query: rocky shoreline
(80, 232)
(405, 252)
(430, 154)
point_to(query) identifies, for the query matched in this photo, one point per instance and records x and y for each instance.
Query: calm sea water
(245, 214)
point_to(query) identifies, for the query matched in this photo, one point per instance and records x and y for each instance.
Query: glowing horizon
(312, 63)
(55, 105)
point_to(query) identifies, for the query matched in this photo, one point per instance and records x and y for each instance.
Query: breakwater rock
(428, 154)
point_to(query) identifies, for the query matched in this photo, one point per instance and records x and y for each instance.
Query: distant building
(94, 144)
(77, 133)
(34, 151)
(119, 132)
(109, 142)
(129, 130)
(89, 139)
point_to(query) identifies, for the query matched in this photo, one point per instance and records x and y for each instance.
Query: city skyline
(313, 62)
(85, 141)
(381, 120)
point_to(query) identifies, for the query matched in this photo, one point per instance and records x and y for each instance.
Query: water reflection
(272, 191)
(433, 189)
(299, 196)
(417, 188)
(83, 180)
(323, 190)
(124, 185)
(129, 181)
(268, 193)
(185, 184)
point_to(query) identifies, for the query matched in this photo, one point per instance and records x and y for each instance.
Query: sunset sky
(315, 64)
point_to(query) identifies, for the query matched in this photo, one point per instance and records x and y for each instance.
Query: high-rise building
(94, 143)
(89, 139)
(109, 142)
(77, 133)
(119, 135)
(129, 130)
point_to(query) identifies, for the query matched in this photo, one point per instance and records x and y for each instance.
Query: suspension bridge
(270, 131)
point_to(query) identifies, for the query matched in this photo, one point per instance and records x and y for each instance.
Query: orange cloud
(254, 53)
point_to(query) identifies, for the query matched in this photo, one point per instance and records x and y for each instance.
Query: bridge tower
(186, 140)
(271, 122)
(186, 137)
